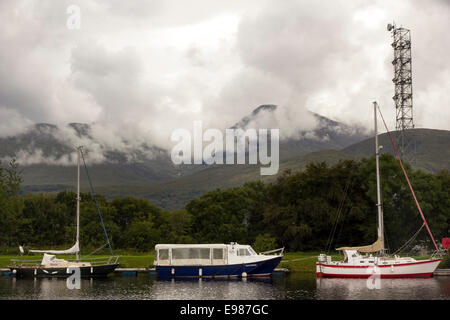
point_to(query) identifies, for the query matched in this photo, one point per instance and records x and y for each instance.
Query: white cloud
(12, 123)
(139, 70)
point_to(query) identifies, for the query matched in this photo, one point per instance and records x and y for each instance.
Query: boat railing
(98, 260)
(24, 263)
(92, 261)
(278, 252)
(439, 253)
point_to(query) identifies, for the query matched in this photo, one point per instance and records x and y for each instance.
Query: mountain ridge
(170, 185)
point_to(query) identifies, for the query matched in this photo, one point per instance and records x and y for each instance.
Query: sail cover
(374, 247)
(74, 249)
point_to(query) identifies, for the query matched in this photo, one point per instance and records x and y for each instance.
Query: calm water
(293, 286)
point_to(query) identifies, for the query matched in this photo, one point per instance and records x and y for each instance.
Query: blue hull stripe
(253, 268)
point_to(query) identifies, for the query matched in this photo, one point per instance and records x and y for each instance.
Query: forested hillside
(299, 211)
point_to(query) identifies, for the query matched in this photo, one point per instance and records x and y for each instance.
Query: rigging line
(341, 206)
(332, 231)
(331, 235)
(407, 180)
(410, 240)
(95, 250)
(96, 203)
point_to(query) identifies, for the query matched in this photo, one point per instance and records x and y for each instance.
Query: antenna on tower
(403, 96)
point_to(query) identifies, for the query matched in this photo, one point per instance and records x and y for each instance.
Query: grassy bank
(294, 261)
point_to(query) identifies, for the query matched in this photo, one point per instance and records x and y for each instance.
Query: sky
(138, 70)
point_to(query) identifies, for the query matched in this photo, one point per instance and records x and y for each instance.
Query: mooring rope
(299, 259)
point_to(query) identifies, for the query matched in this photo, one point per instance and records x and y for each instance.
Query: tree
(10, 204)
(91, 229)
(228, 215)
(129, 211)
(46, 221)
(141, 235)
(177, 227)
(302, 208)
(264, 242)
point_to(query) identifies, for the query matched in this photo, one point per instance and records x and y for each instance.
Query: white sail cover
(74, 249)
(47, 259)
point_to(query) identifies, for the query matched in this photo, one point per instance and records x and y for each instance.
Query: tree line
(319, 208)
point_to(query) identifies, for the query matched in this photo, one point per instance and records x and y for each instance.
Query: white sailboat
(366, 261)
(51, 266)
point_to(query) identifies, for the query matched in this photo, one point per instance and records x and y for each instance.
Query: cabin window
(217, 254)
(243, 252)
(180, 253)
(190, 253)
(204, 253)
(163, 254)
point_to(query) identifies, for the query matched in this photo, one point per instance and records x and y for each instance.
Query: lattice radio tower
(403, 97)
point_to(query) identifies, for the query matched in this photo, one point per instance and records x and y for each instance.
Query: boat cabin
(202, 254)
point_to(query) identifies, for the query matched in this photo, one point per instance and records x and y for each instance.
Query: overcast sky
(140, 69)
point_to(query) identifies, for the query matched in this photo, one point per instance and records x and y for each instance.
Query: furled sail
(374, 247)
(74, 249)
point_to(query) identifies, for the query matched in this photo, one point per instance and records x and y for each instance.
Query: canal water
(294, 286)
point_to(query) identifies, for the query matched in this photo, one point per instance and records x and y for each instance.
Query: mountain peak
(246, 120)
(45, 127)
(81, 129)
(264, 107)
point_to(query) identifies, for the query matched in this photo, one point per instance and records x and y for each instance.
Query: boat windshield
(247, 251)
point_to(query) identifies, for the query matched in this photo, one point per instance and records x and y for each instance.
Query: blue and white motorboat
(214, 260)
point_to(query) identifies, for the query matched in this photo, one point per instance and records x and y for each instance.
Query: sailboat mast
(78, 201)
(379, 203)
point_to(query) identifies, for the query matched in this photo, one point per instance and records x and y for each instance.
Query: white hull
(423, 268)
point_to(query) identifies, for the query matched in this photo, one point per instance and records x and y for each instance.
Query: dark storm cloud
(143, 68)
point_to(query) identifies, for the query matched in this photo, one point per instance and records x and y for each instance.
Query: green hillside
(176, 193)
(432, 148)
(170, 186)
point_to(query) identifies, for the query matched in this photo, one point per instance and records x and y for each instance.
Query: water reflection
(386, 289)
(297, 286)
(222, 289)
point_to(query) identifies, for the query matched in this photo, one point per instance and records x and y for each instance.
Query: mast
(78, 201)
(379, 203)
